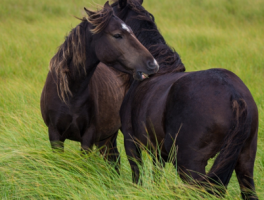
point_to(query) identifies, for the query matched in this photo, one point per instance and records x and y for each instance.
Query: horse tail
(226, 160)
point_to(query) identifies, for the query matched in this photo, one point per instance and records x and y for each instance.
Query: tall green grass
(226, 34)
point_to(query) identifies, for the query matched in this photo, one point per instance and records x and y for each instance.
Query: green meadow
(207, 34)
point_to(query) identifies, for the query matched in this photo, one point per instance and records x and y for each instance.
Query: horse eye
(117, 36)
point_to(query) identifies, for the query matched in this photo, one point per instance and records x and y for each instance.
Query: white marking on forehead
(125, 27)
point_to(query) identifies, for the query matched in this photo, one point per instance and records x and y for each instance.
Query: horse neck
(109, 81)
(79, 84)
(168, 59)
(80, 80)
(147, 33)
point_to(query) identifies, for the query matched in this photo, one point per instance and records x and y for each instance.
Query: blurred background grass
(225, 33)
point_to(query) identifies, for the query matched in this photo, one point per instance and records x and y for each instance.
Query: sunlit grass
(223, 34)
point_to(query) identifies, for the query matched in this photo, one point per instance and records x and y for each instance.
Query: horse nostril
(152, 65)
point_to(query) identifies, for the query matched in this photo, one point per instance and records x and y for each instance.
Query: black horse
(71, 106)
(201, 113)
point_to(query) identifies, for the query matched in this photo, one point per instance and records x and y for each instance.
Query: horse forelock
(69, 61)
(100, 19)
(168, 59)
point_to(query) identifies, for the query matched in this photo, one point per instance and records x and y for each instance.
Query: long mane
(70, 60)
(168, 59)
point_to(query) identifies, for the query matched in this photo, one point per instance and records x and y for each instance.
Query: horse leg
(191, 163)
(244, 169)
(189, 160)
(55, 140)
(133, 153)
(87, 140)
(110, 152)
(190, 169)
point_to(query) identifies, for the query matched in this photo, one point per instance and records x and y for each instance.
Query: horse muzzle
(153, 66)
(140, 76)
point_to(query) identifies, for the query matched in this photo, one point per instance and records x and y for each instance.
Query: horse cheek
(105, 54)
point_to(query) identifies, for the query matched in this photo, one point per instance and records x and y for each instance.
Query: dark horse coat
(201, 113)
(79, 108)
(102, 99)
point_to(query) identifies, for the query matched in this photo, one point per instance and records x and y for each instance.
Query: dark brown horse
(75, 108)
(201, 113)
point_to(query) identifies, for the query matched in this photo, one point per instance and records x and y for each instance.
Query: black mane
(168, 59)
(69, 61)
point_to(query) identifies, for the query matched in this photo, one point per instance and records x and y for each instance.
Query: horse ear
(106, 5)
(122, 3)
(89, 13)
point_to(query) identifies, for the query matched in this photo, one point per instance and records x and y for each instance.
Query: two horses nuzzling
(201, 114)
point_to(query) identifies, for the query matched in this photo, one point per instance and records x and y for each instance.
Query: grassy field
(225, 33)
